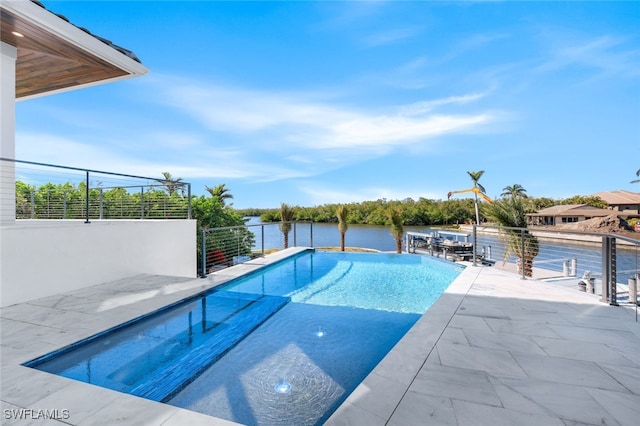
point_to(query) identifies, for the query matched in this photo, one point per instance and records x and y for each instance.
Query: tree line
(421, 212)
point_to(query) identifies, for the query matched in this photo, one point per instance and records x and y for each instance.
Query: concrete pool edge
(376, 398)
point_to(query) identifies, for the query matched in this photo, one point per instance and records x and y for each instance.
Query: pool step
(169, 378)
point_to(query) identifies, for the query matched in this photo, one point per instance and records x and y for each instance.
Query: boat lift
(448, 244)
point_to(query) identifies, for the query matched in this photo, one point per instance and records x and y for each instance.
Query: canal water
(551, 255)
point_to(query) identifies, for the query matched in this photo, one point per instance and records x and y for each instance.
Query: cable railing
(48, 191)
(606, 264)
(219, 248)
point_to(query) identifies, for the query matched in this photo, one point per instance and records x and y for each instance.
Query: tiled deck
(493, 350)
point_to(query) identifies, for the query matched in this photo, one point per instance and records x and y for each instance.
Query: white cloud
(427, 106)
(391, 36)
(295, 120)
(256, 135)
(609, 55)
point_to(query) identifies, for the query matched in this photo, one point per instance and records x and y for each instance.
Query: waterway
(551, 255)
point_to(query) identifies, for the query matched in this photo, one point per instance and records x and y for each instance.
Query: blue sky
(329, 102)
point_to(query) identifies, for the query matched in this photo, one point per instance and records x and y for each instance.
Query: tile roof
(569, 209)
(619, 197)
(109, 43)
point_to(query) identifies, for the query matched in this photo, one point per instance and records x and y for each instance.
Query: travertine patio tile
(585, 351)
(63, 301)
(629, 377)
(630, 349)
(466, 385)
(469, 322)
(512, 399)
(524, 327)
(417, 409)
(19, 334)
(32, 314)
(349, 414)
(130, 410)
(588, 334)
(567, 371)
(568, 402)
(401, 367)
(624, 407)
(86, 404)
(620, 323)
(25, 386)
(455, 336)
(472, 414)
(496, 362)
(191, 418)
(482, 310)
(26, 353)
(513, 343)
(378, 395)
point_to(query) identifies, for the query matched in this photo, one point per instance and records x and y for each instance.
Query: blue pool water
(284, 345)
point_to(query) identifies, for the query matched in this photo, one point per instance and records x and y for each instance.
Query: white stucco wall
(41, 258)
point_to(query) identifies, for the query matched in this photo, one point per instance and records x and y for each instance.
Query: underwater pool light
(283, 387)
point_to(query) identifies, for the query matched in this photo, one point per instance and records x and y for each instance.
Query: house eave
(105, 61)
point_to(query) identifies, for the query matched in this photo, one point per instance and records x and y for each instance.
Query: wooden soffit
(54, 55)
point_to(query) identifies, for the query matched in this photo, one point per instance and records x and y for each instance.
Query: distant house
(568, 213)
(623, 201)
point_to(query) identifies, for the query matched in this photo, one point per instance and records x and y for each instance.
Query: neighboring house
(42, 53)
(623, 201)
(567, 213)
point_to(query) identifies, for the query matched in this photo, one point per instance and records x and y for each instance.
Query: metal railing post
(262, 238)
(188, 201)
(33, 205)
(142, 202)
(475, 245)
(295, 239)
(64, 204)
(311, 234)
(86, 203)
(605, 268)
(203, 255)
(101, 204)
(613, 279)
(522, 259)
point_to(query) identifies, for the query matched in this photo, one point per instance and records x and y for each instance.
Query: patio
(494, 349)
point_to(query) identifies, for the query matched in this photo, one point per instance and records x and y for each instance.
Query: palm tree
(397, 229)
(514, 191)
(219, 192)
(170, 183)
(286, 216)
(342, 212)
(510, 213)
(475, 177)
(636, 180)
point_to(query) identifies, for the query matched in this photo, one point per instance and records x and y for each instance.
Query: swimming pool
(286, 344)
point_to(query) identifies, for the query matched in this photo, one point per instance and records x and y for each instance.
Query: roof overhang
(53, 55)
